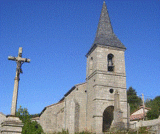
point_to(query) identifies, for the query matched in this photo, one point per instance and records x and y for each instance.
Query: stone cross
(19, 61)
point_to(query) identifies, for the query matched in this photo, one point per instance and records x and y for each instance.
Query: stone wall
(76, 109)
(68, 114)
(48, 118)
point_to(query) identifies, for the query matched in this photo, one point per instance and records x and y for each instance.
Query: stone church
(101, 102)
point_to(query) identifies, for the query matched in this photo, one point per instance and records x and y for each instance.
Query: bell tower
(105, 75)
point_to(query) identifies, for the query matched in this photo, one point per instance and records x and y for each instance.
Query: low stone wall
(153, 124)
(148, 123)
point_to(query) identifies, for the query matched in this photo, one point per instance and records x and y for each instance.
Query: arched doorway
(107, 118)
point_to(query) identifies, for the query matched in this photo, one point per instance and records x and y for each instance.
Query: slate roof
(105, 35)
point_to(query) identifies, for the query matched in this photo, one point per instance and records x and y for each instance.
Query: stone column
(118, 114)
(15, 94)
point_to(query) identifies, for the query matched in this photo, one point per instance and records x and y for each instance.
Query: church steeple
(105, 76)
(105, 35)
(104, 27)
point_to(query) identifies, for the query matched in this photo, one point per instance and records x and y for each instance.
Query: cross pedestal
(12, 125)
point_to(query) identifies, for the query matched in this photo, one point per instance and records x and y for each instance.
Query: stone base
(119, 126)
(12, 125)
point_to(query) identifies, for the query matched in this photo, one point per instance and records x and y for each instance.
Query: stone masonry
(2, 119)
(90, 105)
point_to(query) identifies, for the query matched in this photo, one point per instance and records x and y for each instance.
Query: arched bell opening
(107, 118)
(110, 58)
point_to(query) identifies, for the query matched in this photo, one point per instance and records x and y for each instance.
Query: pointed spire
(105, 35)
(104, 27)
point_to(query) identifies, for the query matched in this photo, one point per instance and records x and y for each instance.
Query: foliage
(155, 108)
(30, 127)
(23, 114)
(143, 130)
(133, 100)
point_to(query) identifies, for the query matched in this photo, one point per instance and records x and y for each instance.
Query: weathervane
(19, 60)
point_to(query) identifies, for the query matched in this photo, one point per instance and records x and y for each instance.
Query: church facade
(101, 102)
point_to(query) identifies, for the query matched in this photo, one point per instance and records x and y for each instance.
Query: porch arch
(107, 118)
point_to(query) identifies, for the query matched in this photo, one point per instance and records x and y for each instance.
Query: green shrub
(31, 127)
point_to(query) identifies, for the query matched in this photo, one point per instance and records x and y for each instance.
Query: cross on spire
(19, 61)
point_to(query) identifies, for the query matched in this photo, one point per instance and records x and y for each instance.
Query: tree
(133, 100)
(23, 114)
(155, 108)
(30, 127)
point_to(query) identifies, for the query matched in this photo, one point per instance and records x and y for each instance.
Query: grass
(142, 130)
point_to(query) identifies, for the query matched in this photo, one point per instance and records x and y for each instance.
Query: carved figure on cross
(19, 61)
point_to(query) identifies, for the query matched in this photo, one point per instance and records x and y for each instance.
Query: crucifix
(19, 60)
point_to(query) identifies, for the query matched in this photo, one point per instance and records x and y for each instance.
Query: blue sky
(57, 34)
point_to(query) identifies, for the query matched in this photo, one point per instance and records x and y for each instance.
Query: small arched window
(110, 62)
